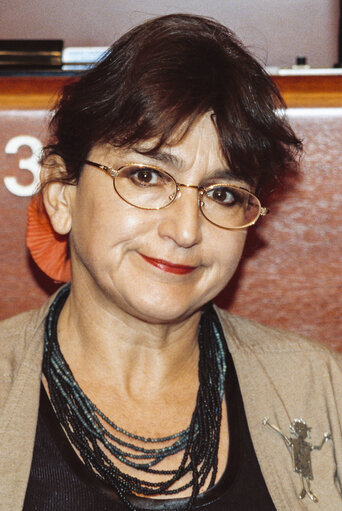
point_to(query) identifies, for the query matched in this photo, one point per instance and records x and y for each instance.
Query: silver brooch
(300, 450)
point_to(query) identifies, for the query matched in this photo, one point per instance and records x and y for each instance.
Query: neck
(109, 344)
(205, 417)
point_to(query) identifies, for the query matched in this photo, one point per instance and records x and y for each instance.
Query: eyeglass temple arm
(109, 170)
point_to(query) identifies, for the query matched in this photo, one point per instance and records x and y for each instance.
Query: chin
(163, 315)
(167, 309)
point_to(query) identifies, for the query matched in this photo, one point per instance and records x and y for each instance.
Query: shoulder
(12, 325)
(282, 369)
(244, 335)
(19, 335)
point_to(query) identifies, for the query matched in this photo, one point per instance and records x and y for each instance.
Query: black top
(59, 481)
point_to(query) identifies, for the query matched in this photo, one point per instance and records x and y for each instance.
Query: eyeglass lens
(149, 188)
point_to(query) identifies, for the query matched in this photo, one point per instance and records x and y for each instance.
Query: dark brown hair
(164, 74)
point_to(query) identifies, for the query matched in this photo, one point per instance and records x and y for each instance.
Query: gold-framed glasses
(147, 187)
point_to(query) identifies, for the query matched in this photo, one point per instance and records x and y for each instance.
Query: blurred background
(290, 275)
(277, 31)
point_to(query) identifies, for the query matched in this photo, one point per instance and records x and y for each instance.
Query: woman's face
(161, 265)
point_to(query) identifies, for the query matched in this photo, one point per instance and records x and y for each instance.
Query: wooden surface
(290, 275)
(298, 91)
(311, 91)
(34, 93)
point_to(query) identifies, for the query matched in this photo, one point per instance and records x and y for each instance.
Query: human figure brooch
(300, 450)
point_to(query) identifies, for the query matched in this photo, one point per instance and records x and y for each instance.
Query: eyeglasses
(150, 188)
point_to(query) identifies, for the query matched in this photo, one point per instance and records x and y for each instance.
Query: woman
(121, 392)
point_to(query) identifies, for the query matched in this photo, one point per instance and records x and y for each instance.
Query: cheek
(103, 229)
(228, 246)
(227, 254)
(222, 256)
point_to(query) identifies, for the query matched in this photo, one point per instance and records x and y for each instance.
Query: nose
(181, 221)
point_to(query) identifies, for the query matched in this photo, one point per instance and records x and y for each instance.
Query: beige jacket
(282, 376)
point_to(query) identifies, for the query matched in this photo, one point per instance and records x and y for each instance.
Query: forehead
(193, 149)
(195, 143)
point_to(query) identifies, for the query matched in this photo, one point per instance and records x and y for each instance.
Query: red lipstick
(178, 269)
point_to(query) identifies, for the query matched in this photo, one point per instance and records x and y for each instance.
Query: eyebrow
(160, 156)
(168, 158)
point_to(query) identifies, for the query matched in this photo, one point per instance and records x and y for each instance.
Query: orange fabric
(49, 250)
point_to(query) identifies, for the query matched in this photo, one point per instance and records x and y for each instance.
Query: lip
(178, 269)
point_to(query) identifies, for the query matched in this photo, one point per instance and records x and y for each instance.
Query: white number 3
(31, 164)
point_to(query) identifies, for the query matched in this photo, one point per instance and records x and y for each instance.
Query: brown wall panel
(291, 273)
(20, 289)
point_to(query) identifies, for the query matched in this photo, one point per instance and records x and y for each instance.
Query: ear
(57, 196)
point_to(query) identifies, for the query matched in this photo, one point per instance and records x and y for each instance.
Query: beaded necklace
(87, 427)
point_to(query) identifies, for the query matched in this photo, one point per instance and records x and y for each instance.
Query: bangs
(158, 79)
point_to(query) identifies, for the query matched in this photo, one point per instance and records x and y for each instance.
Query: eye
(144, 176)
(223, 195)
